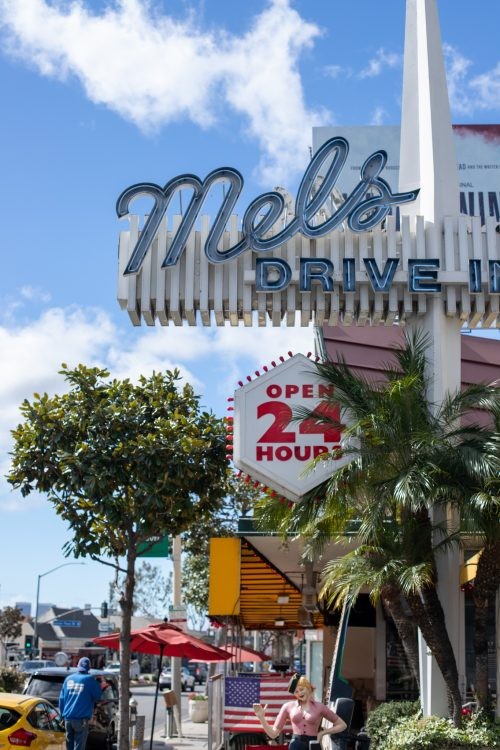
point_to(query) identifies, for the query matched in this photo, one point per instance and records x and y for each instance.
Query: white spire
(427, 156)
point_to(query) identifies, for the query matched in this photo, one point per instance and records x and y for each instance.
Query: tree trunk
(481, 611)
(126, 606)
(429, 617)
(486, 584)
(406, 628)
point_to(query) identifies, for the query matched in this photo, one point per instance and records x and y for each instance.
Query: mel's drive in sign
(269, 444)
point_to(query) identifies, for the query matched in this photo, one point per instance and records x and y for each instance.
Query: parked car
(165, 681)
(135, 670)
(30, 722)
(31, 665)
(199, 672)
(47, 684)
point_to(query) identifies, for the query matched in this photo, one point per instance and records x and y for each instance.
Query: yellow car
(31, 722)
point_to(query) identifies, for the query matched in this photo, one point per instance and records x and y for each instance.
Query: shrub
(439, 734)
(11, 681)
(384, 717)
(197, 697)
(432, 733)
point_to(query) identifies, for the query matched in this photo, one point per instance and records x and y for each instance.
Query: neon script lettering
(367, 205)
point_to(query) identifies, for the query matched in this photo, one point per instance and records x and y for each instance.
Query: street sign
(177, 612)
(67, 623)
(177, 615)
(106, 627)
(269, 444)
(159, 548)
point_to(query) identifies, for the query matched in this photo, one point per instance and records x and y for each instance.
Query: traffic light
(28, 643)
(104, 609)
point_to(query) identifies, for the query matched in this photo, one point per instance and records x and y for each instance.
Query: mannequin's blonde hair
(304, 682)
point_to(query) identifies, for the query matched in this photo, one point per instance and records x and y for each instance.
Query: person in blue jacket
(79, 693)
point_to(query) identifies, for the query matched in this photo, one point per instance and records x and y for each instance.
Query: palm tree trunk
(485, 586)
(429, 617)
(406, 629)
(481, 611)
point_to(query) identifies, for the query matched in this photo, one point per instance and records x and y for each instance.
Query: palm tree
(480, 515)
(401, 454)
(371, 566)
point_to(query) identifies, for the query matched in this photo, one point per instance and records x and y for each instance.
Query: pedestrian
(79, 693)
(305, 715)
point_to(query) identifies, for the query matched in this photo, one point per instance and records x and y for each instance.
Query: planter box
(198, 711)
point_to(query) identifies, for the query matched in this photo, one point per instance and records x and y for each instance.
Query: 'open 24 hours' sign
(269, 444)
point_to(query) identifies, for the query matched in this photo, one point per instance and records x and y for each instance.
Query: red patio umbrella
(164, 639)
(238, 654)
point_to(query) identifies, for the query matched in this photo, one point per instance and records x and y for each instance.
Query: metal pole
(42, 575)
(35, 629)
(176, 601)
(132, 717)
(157, 688)
(138, 732)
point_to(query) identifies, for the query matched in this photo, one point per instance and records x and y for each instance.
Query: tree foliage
(11, 619)
(121, 463)
(11, 681)
(151, 593)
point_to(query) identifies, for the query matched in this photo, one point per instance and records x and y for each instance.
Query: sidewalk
(194, 737)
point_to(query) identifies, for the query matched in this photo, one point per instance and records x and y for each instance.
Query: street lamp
(42, 575)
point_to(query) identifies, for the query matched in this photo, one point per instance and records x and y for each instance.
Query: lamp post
(42, 575)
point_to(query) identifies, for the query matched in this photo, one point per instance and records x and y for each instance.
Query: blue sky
(99, 95)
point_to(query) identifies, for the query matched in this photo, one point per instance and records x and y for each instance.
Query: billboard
(478, 161)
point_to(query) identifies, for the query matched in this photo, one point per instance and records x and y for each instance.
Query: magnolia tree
(121, 463)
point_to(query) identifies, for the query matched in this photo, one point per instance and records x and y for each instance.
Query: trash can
(362, 740)
(344, 708)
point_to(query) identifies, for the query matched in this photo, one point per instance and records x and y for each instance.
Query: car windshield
(46, 686)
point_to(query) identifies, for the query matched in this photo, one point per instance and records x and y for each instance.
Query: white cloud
(34, 294)
(336, 71)
(486, 89)
(380, 62)
(153, 69)
(456, 73)
(379, 115)
(470, 94)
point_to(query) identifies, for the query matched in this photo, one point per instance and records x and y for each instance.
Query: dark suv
(199, 672)
(47, 683)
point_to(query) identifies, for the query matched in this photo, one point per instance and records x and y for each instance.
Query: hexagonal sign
(269, 444)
